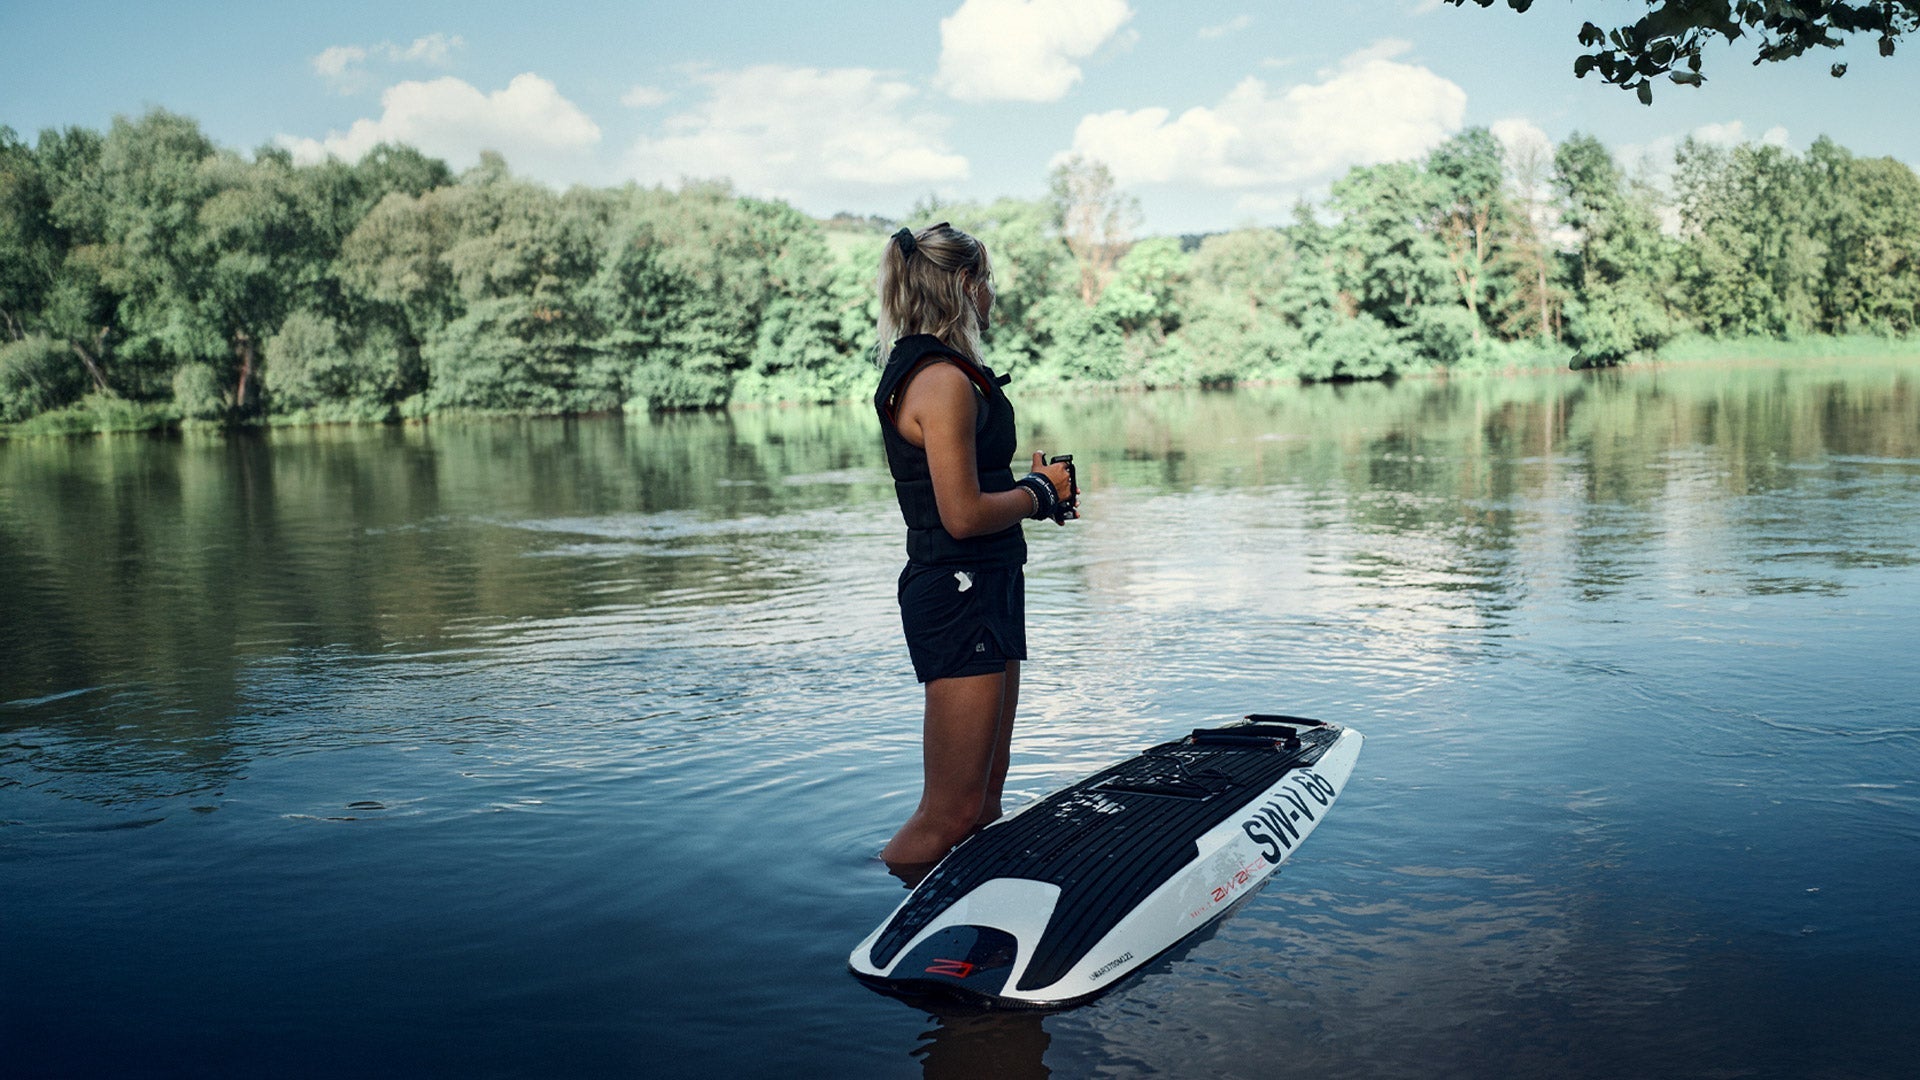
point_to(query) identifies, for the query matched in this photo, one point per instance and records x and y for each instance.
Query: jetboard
(1058, 902)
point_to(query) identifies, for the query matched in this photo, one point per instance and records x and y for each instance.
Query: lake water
(565, 748)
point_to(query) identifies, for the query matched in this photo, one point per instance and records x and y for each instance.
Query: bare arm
(937, 414)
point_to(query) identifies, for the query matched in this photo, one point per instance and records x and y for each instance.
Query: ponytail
(925, 288)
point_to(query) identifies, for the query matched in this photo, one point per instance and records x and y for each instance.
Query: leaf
(1584, 64)
(1645, 90)
(1839, 70)
(1685, 78)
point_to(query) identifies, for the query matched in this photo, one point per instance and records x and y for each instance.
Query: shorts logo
(965, 579)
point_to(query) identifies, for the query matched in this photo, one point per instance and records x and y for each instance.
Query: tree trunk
(244, 343)
(1469, 286)
(93, 369)
(1546, 312)
(92, 364)
(1482, 247)
(1457, 253)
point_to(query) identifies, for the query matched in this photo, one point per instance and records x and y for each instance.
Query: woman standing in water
(949, 435)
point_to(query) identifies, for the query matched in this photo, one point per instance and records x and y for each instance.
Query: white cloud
(1231, 26)
(1022, 50)
(644, 97)
(1521, 137)
(1272, 144)
(435, 49)
(1655, 157)
(539, 132)
(827, 140)
(1731, 133)
(1384, 49)
(344, 66)
(335, 61)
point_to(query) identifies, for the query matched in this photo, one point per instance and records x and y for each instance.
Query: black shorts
(963, 622)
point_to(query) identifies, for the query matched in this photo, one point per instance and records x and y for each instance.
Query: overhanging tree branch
(1670, 38)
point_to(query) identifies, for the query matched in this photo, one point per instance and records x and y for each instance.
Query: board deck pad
(1108, 845)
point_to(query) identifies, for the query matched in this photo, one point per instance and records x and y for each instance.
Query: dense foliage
(148, 276)
(1672, 36)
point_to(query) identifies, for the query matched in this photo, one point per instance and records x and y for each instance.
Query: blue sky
(1216, 113)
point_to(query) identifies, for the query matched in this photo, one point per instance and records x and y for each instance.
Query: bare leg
(962, 731)
(1002, 745)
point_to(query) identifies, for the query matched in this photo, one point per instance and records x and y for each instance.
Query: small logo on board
(958, 969)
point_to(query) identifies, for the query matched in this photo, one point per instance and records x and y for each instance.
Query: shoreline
(117, 416)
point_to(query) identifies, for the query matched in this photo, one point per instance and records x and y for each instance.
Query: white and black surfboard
(1058, 902)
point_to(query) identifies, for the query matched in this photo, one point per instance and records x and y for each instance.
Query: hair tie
(905, 239)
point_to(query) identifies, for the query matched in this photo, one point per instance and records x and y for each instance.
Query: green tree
(396, 258)
(1530, 301)
(36, 374)
(1094, 217)
(1751, 263)
(389, 168)
(1868, 220)
(152, 251)
(1391, 257)
(1138, 311)
(527, 336)
(50, 230)
(1234, 320)
(352, 350)
(1471, 172)
(30, 246)
(1394, 277)
(1147, 282)
(680, 294)
(1246, 266)
(813, 330)
(1621, 267)
(263, 245)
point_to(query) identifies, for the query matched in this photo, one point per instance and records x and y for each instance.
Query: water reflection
(968, 1046)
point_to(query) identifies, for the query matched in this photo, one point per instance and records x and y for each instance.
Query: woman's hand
(937, 411)
(1061, 478)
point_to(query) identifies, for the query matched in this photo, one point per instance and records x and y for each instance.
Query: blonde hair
(924, 288)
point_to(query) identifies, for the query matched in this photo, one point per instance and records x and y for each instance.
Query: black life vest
(994, 444)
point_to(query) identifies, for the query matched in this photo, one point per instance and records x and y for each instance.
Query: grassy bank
(95, 414)
(1694, 348)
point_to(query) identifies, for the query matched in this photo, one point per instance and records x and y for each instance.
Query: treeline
(148, 276)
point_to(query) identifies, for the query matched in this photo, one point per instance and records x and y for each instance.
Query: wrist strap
(1044, 497)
